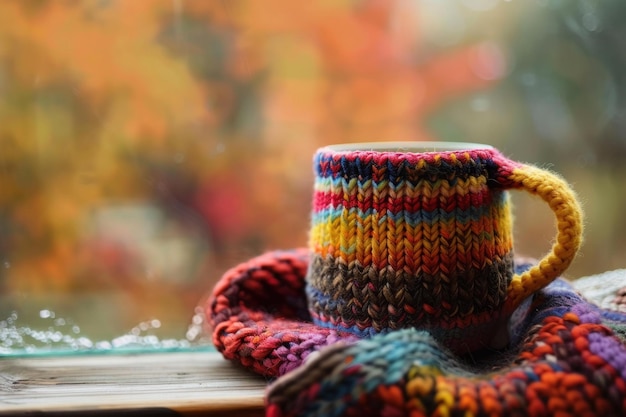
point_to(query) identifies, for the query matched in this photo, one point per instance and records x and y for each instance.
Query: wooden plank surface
(169, 384)
(198, 383)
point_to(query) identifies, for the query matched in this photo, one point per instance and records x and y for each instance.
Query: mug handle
(563, 202)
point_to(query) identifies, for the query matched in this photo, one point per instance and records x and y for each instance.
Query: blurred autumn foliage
(191, 110)
(145, 146)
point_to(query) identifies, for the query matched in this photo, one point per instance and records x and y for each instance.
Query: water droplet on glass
(197, 319)
(103, 345)
(84, 342)
(151, 340)
(46, 314)
(192, 333)
(23, 339)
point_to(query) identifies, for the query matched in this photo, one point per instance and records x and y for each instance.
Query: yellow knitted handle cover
(563, 202)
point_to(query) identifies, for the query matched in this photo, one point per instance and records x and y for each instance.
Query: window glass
(148, 146)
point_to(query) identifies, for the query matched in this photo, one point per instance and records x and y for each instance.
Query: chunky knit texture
(409, 267)
(401, 239)
(567, 359)
(259, 318)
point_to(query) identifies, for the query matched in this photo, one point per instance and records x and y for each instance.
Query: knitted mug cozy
(400, 239)
(405, 235)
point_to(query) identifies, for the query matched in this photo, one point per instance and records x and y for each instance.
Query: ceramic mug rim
(407, 147)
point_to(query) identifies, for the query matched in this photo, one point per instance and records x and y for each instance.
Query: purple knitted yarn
(567, 357)
(564, 366)
(258, 314)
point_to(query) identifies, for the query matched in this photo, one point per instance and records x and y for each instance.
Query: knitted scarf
(566, 357)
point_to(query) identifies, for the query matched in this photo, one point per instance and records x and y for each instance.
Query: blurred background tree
(145, 147)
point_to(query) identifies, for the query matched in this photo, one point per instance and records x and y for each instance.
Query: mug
(419, 234)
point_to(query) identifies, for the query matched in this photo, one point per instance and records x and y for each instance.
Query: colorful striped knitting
(568, 359)
(409, 266)
(401, 239)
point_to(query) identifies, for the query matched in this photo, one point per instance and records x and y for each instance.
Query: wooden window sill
(154, 384)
